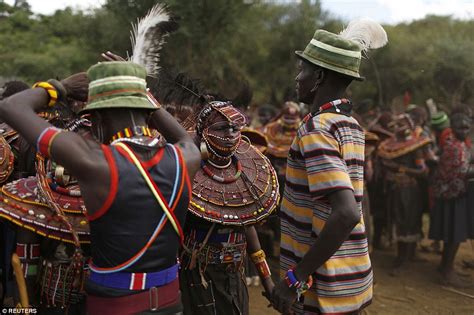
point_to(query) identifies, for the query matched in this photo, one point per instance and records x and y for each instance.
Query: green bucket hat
(440, 121)
(333, 52)
(117, 84)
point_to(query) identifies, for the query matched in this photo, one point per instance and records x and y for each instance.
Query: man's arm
(68, 148)
(173, 132)
(344, 216)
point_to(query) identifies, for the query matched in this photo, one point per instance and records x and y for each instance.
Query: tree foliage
(228, 43)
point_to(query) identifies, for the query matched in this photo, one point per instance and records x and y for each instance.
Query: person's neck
(219, 161)
(117, 126)
(323, 97)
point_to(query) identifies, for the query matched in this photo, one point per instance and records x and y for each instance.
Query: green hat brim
(131, 102)
(325, 65)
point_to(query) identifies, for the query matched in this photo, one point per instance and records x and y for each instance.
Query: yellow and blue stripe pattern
(326, 155)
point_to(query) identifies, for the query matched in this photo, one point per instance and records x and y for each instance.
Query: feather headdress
(367, 33)
(148, 36)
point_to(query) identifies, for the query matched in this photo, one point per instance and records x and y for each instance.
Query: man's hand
(112, 57)
(283, 297)
(77, 86)
(268, 285)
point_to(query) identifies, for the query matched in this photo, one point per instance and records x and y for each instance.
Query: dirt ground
(415, 291)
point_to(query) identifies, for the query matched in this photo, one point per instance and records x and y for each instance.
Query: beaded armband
(50, 89)
(258, 258)
(300, 286)
(45, 140)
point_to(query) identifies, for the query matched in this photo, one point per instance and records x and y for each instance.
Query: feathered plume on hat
(148, 36)
(365, 32)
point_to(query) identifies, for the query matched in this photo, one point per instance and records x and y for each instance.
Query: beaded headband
(224, 108)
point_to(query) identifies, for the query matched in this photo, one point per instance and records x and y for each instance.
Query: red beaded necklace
(334, 104)
(327, 106)
(225, 180)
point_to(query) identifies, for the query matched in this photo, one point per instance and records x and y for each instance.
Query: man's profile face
(305, 81)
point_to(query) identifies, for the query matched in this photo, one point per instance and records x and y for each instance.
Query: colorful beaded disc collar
(228, 197)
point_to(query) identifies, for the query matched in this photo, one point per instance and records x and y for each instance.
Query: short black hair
(13, 87)
(461, 109)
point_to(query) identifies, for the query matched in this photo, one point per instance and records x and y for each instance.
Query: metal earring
(248, 141)
(204, 151)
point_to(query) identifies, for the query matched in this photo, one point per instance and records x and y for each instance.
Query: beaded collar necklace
(136, 131)
(225, 180)
(131, 136)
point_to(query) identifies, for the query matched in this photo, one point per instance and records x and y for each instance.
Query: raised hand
(112, 57)
(76, 86)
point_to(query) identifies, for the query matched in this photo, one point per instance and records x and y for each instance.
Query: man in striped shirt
(324, 260)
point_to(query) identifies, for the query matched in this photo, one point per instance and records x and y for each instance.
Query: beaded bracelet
(45, 140)
(50, 89)
(300, 286)
(258, 258)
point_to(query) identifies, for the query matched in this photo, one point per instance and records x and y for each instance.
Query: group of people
(112, 206)
(418, 163)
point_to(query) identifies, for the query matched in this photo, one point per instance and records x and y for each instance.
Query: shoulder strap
(146, 176)
(168, 215)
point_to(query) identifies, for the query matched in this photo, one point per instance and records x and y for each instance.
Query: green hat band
(332, 52)
(117, 85)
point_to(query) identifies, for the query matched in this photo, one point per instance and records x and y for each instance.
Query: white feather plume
(367, 33)
(148, 36)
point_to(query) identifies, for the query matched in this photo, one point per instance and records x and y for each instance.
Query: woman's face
(223, 136)
(461, 125)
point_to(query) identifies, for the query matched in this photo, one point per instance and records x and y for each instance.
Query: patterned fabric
(450, 178)
(327, 155)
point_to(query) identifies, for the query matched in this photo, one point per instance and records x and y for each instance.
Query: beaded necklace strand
(132, 132)
(225, 180)
(128, 134)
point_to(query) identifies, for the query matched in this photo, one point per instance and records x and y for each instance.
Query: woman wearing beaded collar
(235, 188)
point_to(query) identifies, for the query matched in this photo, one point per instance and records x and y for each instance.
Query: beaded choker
(136, 131)
(334, 104)
(220, 179)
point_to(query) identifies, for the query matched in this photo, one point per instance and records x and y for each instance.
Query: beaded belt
(28, 251)
(29, 255)
(135, 281)
(197, 235)
(214, 255)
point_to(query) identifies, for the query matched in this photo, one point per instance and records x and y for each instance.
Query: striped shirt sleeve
(326, 170)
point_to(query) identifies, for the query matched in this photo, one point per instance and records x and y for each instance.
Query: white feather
(147, 39)
(367, 33)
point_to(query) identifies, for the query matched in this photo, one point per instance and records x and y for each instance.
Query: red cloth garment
(450, 178)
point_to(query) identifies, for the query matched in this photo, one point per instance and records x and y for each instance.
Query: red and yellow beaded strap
(45, 140)
(50, 89)
(129, 133)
